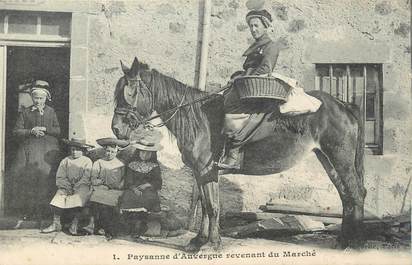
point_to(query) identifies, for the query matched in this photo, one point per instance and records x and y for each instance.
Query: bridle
(133, 117)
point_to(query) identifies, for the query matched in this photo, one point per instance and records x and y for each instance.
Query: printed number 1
(114, 257)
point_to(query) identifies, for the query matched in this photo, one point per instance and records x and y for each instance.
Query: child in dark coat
(142, 182)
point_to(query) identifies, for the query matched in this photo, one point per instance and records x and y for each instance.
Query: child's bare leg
(75, 223)
(90, 228)
(56, 224)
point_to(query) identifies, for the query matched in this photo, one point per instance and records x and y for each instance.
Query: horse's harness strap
(171, 116)
(181, 105)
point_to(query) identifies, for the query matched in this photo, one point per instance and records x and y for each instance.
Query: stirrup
(226, 166)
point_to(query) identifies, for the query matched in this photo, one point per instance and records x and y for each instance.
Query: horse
(334, 133)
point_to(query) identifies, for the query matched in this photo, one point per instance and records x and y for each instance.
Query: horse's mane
(118, 92)
(168, 93)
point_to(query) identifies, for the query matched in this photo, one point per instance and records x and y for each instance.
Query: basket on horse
(262, 87)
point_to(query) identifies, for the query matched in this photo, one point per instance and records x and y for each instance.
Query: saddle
(255, 105)
(291, 98)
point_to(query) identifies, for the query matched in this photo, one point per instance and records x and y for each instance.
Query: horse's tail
(358, 111)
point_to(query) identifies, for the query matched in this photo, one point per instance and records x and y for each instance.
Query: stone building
(347, 48)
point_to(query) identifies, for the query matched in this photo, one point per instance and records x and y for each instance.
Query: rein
(133, 110)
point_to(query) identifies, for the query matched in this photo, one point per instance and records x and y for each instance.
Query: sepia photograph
(205, 131)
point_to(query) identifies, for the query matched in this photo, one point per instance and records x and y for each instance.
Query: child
(73, 184)
(107, 184)
(142, 182)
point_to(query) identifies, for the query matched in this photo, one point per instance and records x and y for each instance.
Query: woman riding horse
(261, 59)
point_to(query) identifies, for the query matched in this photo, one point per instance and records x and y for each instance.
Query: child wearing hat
(73, 184)
(107, 184)
(142, 182)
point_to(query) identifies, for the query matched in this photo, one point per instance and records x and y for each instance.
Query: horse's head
(133, 99)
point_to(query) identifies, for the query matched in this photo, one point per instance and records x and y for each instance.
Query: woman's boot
(54, 227)
(74, 226)
(89, 229)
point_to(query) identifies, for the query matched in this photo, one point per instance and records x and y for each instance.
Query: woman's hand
(144, 186)
(61, 192)
(38, 131)
(96, 182)
(137, 191)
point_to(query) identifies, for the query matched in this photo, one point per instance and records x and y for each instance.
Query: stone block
(242, 27)
(77, 126)
(218, 2)
(390, 141)
(166, 9)
(79, 62)
(347, 51)
(80, 27)
(395, 106)
(78, 95)
(234, 4)
(176, 27)
(383, 8)
(281, 11)
(255, 4)
(228, 14)
(308, 80)
(403, 30)
(296, 25)
(379, 165)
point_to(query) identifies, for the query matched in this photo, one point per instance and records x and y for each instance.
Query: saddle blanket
(297, 102)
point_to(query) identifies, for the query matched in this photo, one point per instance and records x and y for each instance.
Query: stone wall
(166, 35)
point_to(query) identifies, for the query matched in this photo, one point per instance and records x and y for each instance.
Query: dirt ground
(28, 246)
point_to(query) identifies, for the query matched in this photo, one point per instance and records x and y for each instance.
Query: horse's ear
(125, 69)
(134, 70)
(135, 62)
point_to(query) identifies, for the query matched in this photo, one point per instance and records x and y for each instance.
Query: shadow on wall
(176, 194)
(231, 196)
(231, 200)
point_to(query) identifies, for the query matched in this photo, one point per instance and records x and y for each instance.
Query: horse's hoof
(356, 244)
(195, 244)
(345, 243)
(212, 247)
(192, 248)
(198, 240)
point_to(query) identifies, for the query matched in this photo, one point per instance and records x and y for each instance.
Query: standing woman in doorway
(38, 155)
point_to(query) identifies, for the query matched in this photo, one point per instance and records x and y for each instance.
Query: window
(354, 83)
(20, 23)
(36, 26)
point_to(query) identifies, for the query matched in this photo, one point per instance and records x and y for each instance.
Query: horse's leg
(193, 208)
(211, 190)
(201, 238)
(353, 206)
(340, 167)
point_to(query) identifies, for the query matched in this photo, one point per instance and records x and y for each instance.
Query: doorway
(24, 65)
